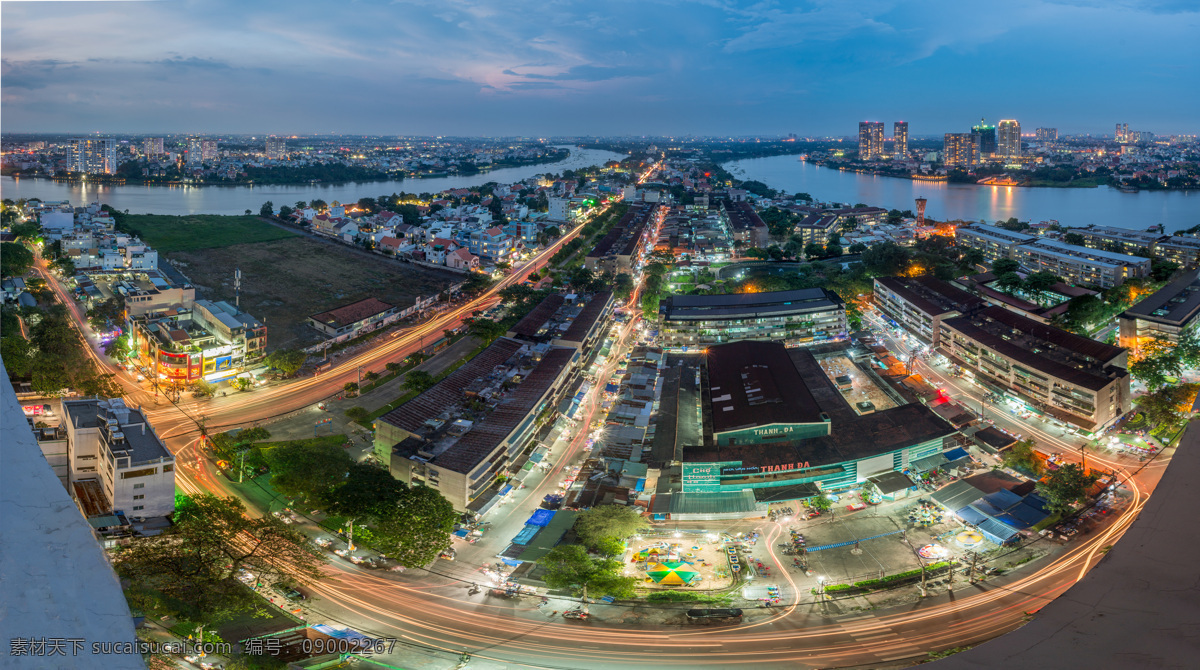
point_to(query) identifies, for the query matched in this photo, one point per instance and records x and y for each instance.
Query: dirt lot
(285, 281)
(864, 388)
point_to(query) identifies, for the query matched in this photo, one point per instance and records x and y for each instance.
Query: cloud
(31, 74)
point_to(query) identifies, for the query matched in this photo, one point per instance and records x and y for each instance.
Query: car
(291, 593)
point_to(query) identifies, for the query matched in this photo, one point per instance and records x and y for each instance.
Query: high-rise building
(870, 140)
(1122, 134)
(900, 139)
(152, 146)
(94, 155)
(208, 151)
(276, 147)
(194, 151)
(961, 149)
(985, 138)
(1047, 134)
(1009, 138)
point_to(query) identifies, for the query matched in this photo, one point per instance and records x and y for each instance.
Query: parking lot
(864, 389)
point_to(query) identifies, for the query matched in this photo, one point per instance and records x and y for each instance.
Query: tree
(189, 570)
(570, 566)
(1003, 265)
(15, 259)
(857, 248)
(622, 286)
(419, 381)
(971, 257)
(1074, 238)
(486, 329)
(1065, 486)
(833, 250)
(310, 471)
(367, 494)
(242, 383)
(885, 259)
(1040, 283)
(581, 278)
(1009, 282)
(105, 313)
(285, 211)
(267, 209)
(287, 361)
(351, 388)
(1162, 270)
(821, 503)
(605, 522)
(117, 348)
(319, 205)
(416, 528)
(1157, 361)
(814, 250)
(1167, 406)
(203, 389)
(357, 414)
(1021, 456)
(370, 375)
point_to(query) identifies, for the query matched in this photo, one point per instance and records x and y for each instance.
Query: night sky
(706, 67)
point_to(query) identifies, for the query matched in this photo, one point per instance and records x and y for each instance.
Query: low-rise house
(349, 321)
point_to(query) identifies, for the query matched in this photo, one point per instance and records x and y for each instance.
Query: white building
(94, 155)
(276, 148)
(116, 460)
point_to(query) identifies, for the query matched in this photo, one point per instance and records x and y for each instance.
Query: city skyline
(647, 69)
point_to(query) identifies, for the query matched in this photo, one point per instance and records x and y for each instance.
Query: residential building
(560, 210)
(1072, 378)
(747, 226)
(920, 304)
(195, 151)
(985, 139)
(152, 146)
(1181, 249)
(801, 317)
(817, 228)
(461, 259)
(276, 148)
(1008, 141)
(900, 140)
(116, 461)
(993, 241)
(350, 321)
(210, 341)
(1047, 134)
(870, 140)
(960, 149)
(1080, 265)
(208, 151)
(492, 243)
(619, 249)
(1169, 313)
(94, 155)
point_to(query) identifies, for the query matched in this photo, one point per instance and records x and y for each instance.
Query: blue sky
(704, 67)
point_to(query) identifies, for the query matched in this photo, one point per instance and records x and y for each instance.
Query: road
(435, 619)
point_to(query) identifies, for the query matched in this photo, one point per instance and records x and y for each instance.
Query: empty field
(285, 281)
(201, 231)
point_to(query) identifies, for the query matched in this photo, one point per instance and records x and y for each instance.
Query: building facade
(1169, 314)
(276, 148)
(112, 449)
(1047, 134)
(960, 150)
(994, 242)
(803, 317)
(1072, 378)
(900, 140)
(1008, 139)
(153, 146)
(920, 304)
(351, 320)
(1080, 265)
(870, 140)
(985, 138)
(210, 341)
(94, 155)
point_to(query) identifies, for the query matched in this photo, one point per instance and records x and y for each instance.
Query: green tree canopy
(15, 259)
(485, 329)
(570, 566)
(287, 361)
(417, 528)
(885, 259)
(623, 286)
(189, 570)
(367, 493)
(1003, 265)
(419, 381)
(608, 522)
(311, 471)
(1065, 486)
(1022, 457)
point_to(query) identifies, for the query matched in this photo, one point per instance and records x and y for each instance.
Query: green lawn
(201, 231)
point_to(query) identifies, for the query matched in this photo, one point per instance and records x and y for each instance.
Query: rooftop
(1079, 360)
(755, 384)
(140, 441)
(353, 313)
(1095, 255)
(999, 234)
(932, 296)
(1176, 303)
(739, 305)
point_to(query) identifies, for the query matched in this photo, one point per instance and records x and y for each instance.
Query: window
(168, 468)
(138, 508)
(139, 486)
(141, 497)
(139, 473)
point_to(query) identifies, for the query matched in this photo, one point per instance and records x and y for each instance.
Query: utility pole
(974, 556)
(237, 288)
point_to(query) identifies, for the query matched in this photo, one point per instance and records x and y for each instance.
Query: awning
(540, 517)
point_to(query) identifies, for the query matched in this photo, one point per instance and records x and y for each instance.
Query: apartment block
(994, 242)
(920, 304)
(1080, 265)
(1072, 378)
(116, 462)
(1169, 313)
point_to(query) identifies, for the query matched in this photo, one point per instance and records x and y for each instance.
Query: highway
(435, 619)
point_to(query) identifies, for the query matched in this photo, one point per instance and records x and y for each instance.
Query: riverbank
(1101, 205)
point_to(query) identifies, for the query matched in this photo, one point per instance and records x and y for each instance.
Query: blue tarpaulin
(641, 485)
(535, 457)
(610, 388)
(540, 517)
(526, 535)
(955, 454)
(462, 532)
(504, 491)
(509, 561)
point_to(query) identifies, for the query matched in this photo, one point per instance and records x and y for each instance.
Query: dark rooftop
(1056, 352)
(1175, 304)
(742, 215)
(755, 384)
(140, 441)
(587, 317)
(353, 313)
(537, 317)
(930, 295)
(739, 305)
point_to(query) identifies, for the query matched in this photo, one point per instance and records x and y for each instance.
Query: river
(1102, 206)
(140, 199)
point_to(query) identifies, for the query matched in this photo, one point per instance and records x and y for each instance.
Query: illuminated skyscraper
(94, 155)
(870, 140)
(208, 151)
(900, 140)
(1122, 132)
(1009, 138)
(276, 147)
(152, 146)
(194, 151)
(960, 149)
(985, 138)
(1047, 134)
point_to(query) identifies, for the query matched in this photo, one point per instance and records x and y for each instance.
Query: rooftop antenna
(237, 288)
